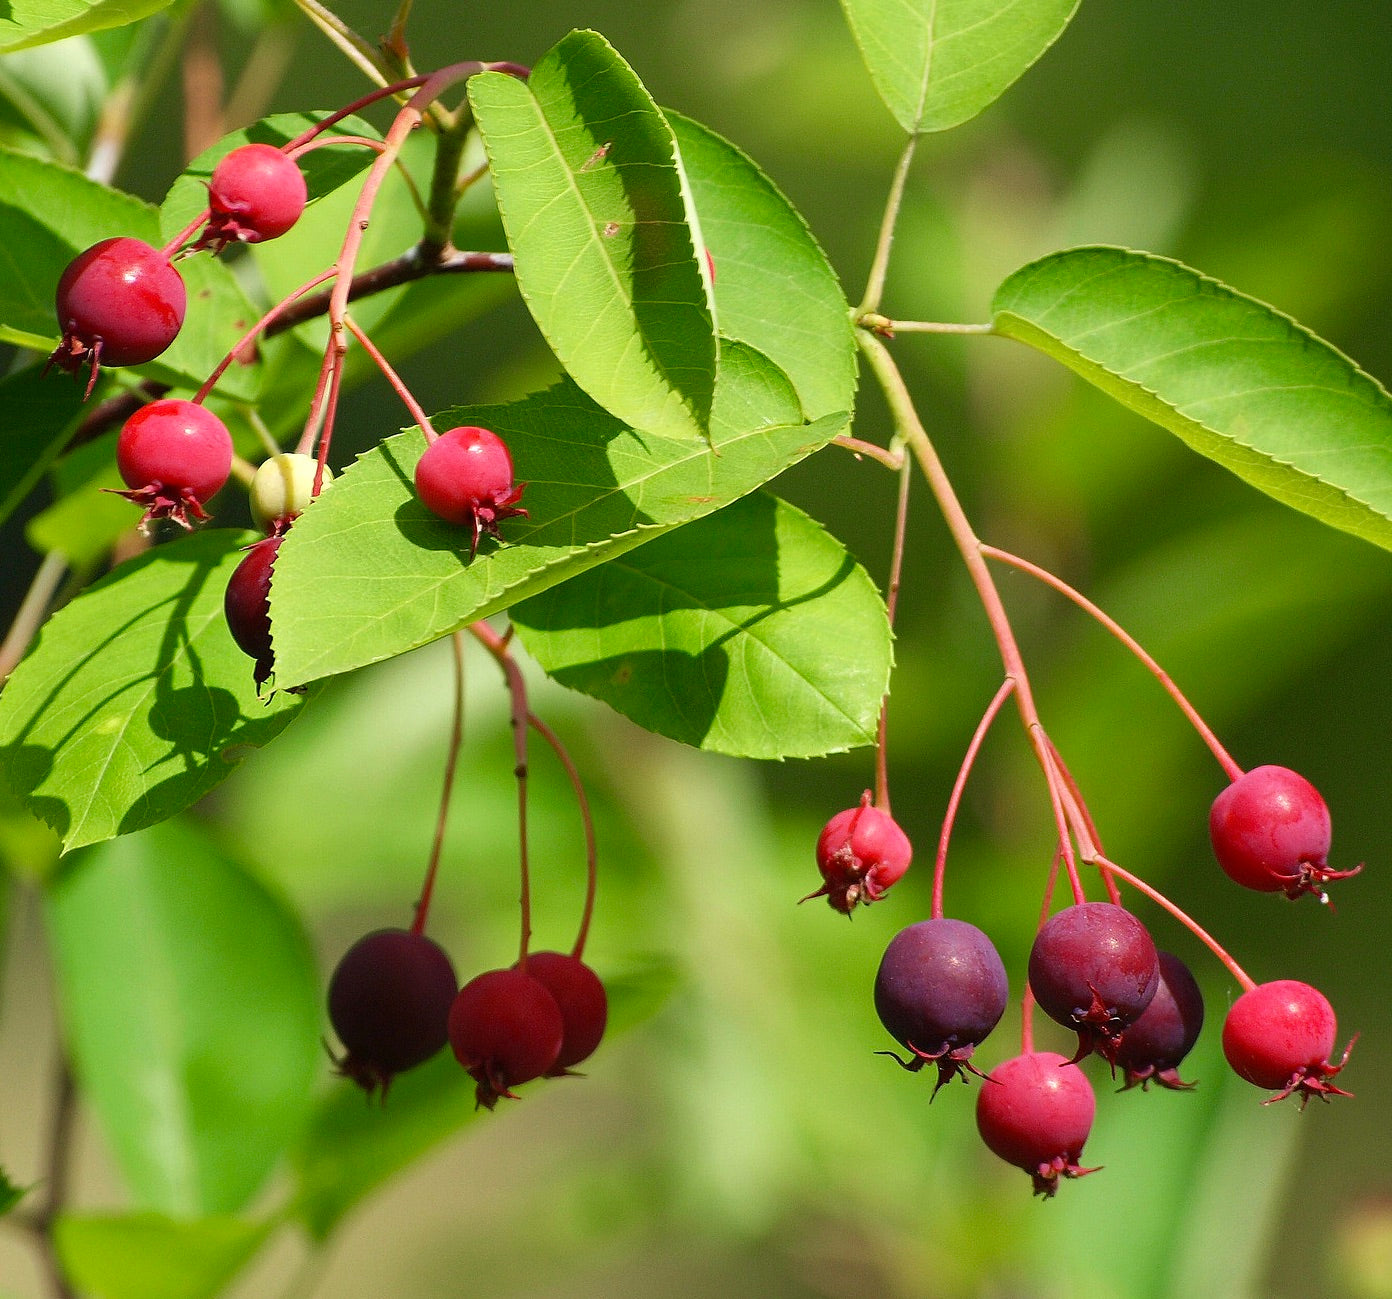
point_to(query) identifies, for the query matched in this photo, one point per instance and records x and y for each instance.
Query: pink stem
(451, 763)
(330, 411)
(326, 141)
(1027, 999)
(1092, 840)
(383, 92)
(396, 381)
(591, 853)
(896, 567)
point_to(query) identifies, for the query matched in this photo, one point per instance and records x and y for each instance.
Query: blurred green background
(741, 1137)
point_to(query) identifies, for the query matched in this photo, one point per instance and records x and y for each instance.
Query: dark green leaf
(39, 415)
(36, 22)
(10, 1194)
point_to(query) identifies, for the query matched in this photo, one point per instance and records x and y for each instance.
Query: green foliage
(37, 22)
(41, 418)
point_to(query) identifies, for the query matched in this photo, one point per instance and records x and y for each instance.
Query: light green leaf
(36, 22)
(39, 415)
(190, 1003)
(1235, 379)
(750, 632)
(135, 701)
(938, 63)
(608, 257)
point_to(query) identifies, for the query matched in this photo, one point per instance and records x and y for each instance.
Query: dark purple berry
(506, 1029)
(1280, 1036)
(247, 605)
(940, 989)
(581, 1000)
(465, 477)
(173, 456)
(255, 193)
(860, 853)
(1154, 1043)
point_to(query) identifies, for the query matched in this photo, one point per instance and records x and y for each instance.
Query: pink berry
(465, 477)
(1270, 831)
(120, 302)
(1035, 1111)
(247, 605)
(581, 1000)
(256, 193)
(1280, 1036)
(860, 853)
(506, 1029)
(173, 455)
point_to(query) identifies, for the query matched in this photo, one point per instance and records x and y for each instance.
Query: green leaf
(190, 1003)
(592, 193)
(37, 22)
(750, 632)
(151, 1256)
(39, 415)
(1235, 379)
(10, 1194)
(938, 63)
(135, 701)
(774, 288)
(369, 572)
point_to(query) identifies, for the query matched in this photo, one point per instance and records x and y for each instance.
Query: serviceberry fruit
(1035, 1111)
(940, 989)
(1270, 832)
(121, 302)
(465, 476)
(860, 853)
(1093, 968)
(506, 1029)
(389, 1003)
(255, 193)
(1154, 1043)
(581, 999)
(247, 605)
(282, 487)
(1280, 1036)
(173, 456)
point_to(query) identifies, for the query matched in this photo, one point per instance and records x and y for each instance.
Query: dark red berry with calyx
(506, 1029)
(1035, 1111)
(1154, 1043)
(581, 999)
(860, 853)
(173, 456)
(389, 1003)
(247, 605)
(1270, 832)
(255, 193)
(1093, 968)
(940, 990)
(1280, 1036)
(121, 302)
(465, 477)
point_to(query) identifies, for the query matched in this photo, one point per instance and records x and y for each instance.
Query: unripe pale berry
(465, 477)
(860, 853)
(581, 999)
(282, 488)
(1280, 1036)
(173, 455)
(505, 1029)
(255, 193)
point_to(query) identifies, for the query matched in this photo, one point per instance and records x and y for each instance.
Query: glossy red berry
(506, 1029)
(1154, 1043)
(389, 1003)
(173, 456)
(1270, 831)
(121, 302)
(581, 999)
(1280, 1036)
(940, 990)
(860, 853)
(1093, 968)
(1035, 1111)
(247, 605)
(465, 477)
(255, 193)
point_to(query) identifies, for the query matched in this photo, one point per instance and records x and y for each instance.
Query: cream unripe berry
(283, 487)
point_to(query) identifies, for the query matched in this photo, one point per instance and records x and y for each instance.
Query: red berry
(247, 605)
(389, 1003)
(1270, 832)
(465, 476)
(581, 1000)
(173, 455)
(860, 853)
(1035, 1111)
(506, 1029)
(1280, 1036)
(256, 193)
(1154, 1043)
(120, 302)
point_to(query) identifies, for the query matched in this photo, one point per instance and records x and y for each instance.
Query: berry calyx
(255, 193)
(1035, 1111)
(121, 302)
(465, 477)
(1280, 1036)
(581, 999)
(860, 853)
(1154, 1043)
(282, 488)
(173, 456)
(940, 990)
(506, 1029)
(1270, 831)
(1093, 968)
(389, 1003)
(247, 605)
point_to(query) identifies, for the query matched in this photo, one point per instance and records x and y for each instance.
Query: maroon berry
(581, 1000)
(1093, 968)
(247, 605)
(860, 853)
(119, 303)
(940, 989)
(465, 476)
(1154, 1043)
(1280, 1036)
(506, 1029)
(389, 1003)
(1035, 1112)
(173, 455)
(256, 193)
(1270, 832)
